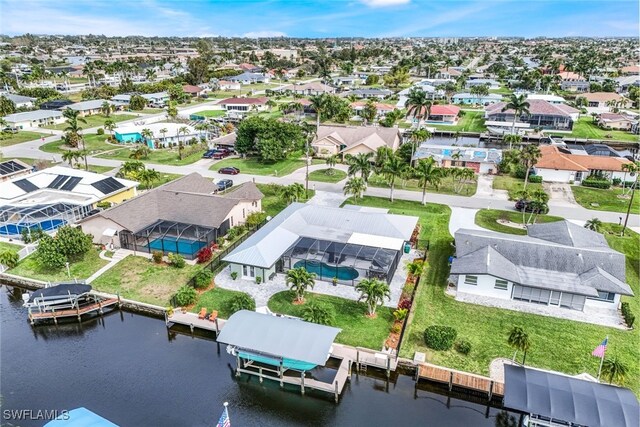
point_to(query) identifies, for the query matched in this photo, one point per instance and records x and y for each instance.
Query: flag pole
(602, 358)
(226, 409)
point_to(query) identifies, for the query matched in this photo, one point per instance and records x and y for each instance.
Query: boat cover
(80, 417)
(62, 289)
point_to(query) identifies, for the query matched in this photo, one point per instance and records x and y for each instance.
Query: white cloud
(265, 33)
(384, 3)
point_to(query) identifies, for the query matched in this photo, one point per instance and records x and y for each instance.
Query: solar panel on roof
(71, 183)
(10, 167)
(59, 181)
(26, 185)
(108, 185)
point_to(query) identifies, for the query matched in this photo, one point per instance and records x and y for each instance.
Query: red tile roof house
(542, 114)
(615, 121)
(192, 90)
(559, 165)
(446, 114)
(381, 109)
(244, 105)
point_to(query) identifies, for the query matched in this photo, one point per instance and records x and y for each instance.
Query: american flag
(599, 350)
(224, 418)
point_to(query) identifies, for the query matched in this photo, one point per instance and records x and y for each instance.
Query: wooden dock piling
(463, 380)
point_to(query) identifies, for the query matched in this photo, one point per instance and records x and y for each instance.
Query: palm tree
(415, 268)
(361, 162)
(520, 106)
(270, 104)
(70, 156)
(142, 152)
(418, 105)
(427, 173)
(593, 224)
(355, 187)
(293, 193)
(319, 103)
(512, 139)
(299, 280)
(627, 168)
(393, 168)
(529, 156)
(106, 108)
(109, 125)
(73, 118)
(147, 177)
(418, 136)
(317, 313)
(147, 134)
(331, 162)
(373, 292)
(164, 131)
(614, 370)
(461, 175)
(519, 340)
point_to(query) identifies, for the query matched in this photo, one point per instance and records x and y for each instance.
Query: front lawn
(7, 139)
(471, 121)
(321, 175)
(357, 329)
(95, 120)
(211, 113)
(272, 202)
(488, 218)
(254, 166)
(513, 185)
(141, 279)
(586, 128)
(163, 156)
(605, 200)
(216, 299)
(445, 187)
(94, 143)
(82, 269)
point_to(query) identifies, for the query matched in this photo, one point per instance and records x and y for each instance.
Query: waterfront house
(616, 121)
(381, 108)
(542, 114)
(332, 140)
(348, 244)
(559, 265)
(445, 114)
(182, 216)
(244, 105)
(56, 196)
(557, 164)
(480, 160)
(34, 119)
(468, 98)
(551, 99)
(605, 100)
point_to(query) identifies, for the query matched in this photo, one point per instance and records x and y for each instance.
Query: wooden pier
(97, 306)
(193, 321)
(459, 379)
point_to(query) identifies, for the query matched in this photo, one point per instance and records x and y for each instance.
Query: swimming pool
(326, 271)
(17, 229)
(171, 244)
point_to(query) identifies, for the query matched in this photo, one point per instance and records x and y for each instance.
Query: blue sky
(329, 18)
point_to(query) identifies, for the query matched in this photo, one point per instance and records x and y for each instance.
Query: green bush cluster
(100, 131)
(596, 183)
(440, 337)
(176, 260)
(535, 179)
(463, 346)
(203, 278)
(242, 302)
(69, 244)
(629, 317)
(157, 256)
(186, 295)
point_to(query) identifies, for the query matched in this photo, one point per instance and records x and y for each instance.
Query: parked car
(229, 171)
(532, 206)
(209, 154)
(223, 184)
(10, 129)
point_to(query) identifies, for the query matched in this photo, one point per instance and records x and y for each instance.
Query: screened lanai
(170, 237)
(347, 262)
(14, 219)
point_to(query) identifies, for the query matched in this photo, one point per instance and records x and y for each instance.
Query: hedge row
(629, 317)
(596, 183)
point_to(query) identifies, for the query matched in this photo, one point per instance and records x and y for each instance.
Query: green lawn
(472, 121)
(93, 142)
(321, 175)
(216, 299)
(95, 121)
(487, 218)
(82, 269)
(5, 246)
(164, 156)
(606, 200)
(140, 279)
(7, 139)
(211, 113)
(272, 203)
(254, 166)
(350, 316)
(445, 187)
(503, 90)
(586, 128)
(513, 185)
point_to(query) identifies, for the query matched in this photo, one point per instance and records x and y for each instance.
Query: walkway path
(118, 255)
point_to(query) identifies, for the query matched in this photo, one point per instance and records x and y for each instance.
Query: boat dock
(459, 379)
(97, 306)
(193, 321)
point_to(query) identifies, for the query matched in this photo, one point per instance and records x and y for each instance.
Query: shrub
(400, 314)
(316, 312)
(440, 337)
(241, 302)
(629, 317)
(395, 329)
(203, 278)
(157, 256)
(535, 179)
(405, 304)
(204, 255)
(258, 280)
(463, 346)
(186, 295)
(100, 131)
(616, 181)
(103, 205)
(9, 258)
(234, 275)
(176, 260)
(596, 183)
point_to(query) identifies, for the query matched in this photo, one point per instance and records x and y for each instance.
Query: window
(243, 213)
(470, 280)
(604, 296)
(232, 221)
(248, 271)
(501, 284)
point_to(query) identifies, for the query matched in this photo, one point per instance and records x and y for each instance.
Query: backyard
(5, 246)
(273, 203)
(513, 185)
(321, 175)
(471, 121)
(140, 279)
(96, 120)
(254, 166)
(7, 139)
(488, 218)
(605, 200)
(216, 299)
(445, 187)
(81, 269)
(586, 128)
(350, 316)
(211, 113)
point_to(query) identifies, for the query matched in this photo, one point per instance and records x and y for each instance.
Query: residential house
(449, 73)
(193, 91)
(249, 78)
(10, 169)
(367, 93)
(626, 82)
(89, 108)
(381, 109)
(18, 100)
(249, 68)
(158, 98)
(558, 164)
(605, 100)
(630, 70)
(616, 121)
(307, 89)
(162, 134)
(551, 99)
(228, 85)
(481, 160)
(492, 84)
(558, 265)
(182, 216)
(573, 82)
(350, 81)
(468, 98)
(55, 104)
(332, 140)
(34, 119)
(542, 114)
(444, 114)
(244, 105)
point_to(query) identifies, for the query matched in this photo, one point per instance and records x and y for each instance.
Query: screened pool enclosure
(170, 237)
(14, 219)
(347, 262)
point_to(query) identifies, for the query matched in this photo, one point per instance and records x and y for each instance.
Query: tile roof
(444, 110)
(355, 135)
(536, 107)
(600, 96)
(553, 158)
(241, 101)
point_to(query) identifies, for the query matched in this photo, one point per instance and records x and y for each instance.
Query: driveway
(560, 194)
(485, 189)
(463, 218)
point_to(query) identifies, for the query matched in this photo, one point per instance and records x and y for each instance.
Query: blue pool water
(327, 271)
(184, 246)
(16, 229)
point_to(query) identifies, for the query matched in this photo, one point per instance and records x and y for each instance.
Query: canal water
(131, 370)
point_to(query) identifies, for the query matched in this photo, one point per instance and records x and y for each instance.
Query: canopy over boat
(80, 417)
(61, 290)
